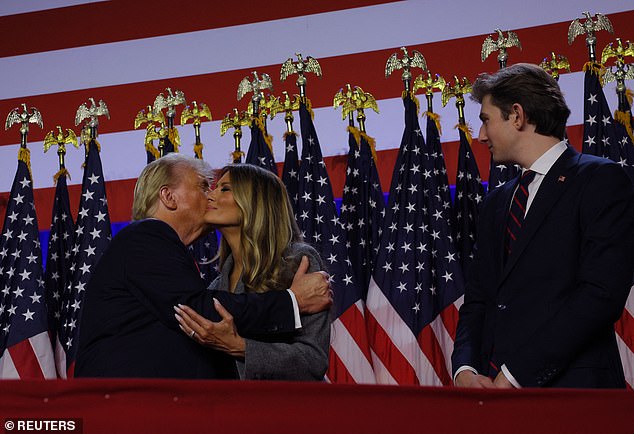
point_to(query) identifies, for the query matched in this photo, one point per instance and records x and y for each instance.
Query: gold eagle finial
(501, 44)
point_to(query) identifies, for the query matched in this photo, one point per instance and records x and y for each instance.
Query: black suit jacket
(548, 313)
(128, 327)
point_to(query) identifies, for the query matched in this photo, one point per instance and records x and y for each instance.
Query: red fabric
(168, 406)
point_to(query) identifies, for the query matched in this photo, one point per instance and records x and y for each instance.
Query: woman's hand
(221, 335)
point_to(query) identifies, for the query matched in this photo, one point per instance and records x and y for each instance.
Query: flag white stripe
(400, 334)
(381, 373)
(180, 55)
(7, 368)
(350, 354)
(41, 345)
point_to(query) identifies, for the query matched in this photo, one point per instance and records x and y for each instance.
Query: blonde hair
(164, 171)
(267, 226)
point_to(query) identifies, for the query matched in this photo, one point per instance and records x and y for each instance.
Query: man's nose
(482, 137)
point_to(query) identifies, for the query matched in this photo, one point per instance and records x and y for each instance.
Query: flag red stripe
(433, 351)
(393, 360)
(449, 317)
(354, 322)
(104, 22)
(337, 371)
(25, 360)
(218, 90)
(625, 329)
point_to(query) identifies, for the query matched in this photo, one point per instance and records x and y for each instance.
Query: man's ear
(519, 116)
(167, 198)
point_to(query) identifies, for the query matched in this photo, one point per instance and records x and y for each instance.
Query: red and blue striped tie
(518, 211)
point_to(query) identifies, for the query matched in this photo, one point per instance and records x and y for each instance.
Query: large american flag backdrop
(55, 54)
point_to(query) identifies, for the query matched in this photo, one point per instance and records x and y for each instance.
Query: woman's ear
(166, 196)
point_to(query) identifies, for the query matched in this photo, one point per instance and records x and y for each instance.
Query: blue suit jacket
(548, 313)
(128, 327)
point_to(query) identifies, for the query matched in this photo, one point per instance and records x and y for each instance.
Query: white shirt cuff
(298, 321)
(510, 377)
(463, 368)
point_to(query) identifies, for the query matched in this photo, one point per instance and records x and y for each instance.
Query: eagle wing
(608, 52)
(488, 47)
(186, 115)
(71, 138)
(512, 40)
(82, 113)
(103, 109)
(49, 140)
(418, 60)
(446, 95)
(160, 102)
(288, 68)
(603, 23)
(13, 118)
(266, 82)
(244, 87)
(140, 119)
(575, 29)
(393, 63)
(205, 112)
(313, 66)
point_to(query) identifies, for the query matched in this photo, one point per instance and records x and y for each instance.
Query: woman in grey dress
(260, 250)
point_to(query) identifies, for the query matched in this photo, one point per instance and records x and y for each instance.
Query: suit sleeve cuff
(298, 321)
(510, 377)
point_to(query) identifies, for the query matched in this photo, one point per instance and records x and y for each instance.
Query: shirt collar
(543, 164)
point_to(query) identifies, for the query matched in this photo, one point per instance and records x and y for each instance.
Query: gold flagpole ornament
(169, 102)
(257, 85)
(591, 25)
(301, 67)
(235, 121)
(154, 119)
(458, 90)
(287, 107)
(406, 63)
(265, 106)
(501, 44)
(60, 139)
(623, 72)
(24, 118)
(345, 100)
(555, 64)
(196, 114)
(92, 114)
(429, 84)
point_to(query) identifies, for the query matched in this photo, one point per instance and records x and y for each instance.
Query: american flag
(58, 259)
(469, 195)
(500, 173)
(320, 226)
(25, 346)
(604, 137)
(290, 170)
(440, 168)
(362, 207)
(204, 251)
(92, 234)
(417, 274)
(259, 152)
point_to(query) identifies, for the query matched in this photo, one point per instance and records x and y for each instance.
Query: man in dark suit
(128, 328)
(555, 250)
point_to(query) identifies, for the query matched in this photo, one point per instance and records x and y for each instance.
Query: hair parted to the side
(531, 87)
(268, 227)
(160, 172)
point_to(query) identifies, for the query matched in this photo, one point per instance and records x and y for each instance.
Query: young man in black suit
(555, 250)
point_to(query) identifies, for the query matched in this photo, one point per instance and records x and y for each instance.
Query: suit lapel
(552, 187)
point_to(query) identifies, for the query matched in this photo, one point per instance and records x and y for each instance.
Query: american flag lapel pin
(561, 178)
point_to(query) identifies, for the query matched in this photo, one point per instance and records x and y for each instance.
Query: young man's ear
(167, 198)
(518, 116)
